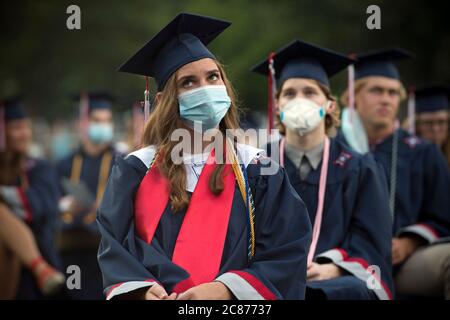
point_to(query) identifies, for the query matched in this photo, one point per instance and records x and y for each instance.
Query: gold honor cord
(242, 188)
(75, 175)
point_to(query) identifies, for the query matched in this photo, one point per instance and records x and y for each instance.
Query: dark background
(45, 62)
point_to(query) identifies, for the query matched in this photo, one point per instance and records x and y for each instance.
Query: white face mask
(302, 115)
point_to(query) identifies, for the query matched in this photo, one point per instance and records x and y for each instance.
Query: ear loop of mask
(324, 109)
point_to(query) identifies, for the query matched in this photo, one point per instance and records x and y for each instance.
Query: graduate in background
(200, 229)
(88, 166)
(433, 115)
(134, 126)
(417, 175)
(345, 195)
(28, 212)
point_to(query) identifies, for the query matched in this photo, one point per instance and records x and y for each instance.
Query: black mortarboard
(182, 41)
(379, 63)
(97, 100)
(433, 97)
(14, 109)
(303, 60)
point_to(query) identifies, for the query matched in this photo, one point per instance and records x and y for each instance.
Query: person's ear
(157, 97)
(331, 106)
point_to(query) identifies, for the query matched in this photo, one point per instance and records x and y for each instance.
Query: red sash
(201, 239)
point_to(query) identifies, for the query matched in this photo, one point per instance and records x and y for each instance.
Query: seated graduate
(432, 108)
(28, 212)
(345, 193)
(89, 164)
(201, 228)
(418, 176)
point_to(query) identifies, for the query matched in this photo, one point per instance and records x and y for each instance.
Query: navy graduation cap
(380, 63)
(14, 109)
(10, 109)
(303, 60)
(182, 41)
(433, 97)
(97, 100)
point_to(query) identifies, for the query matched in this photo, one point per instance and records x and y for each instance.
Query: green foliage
(46, 62)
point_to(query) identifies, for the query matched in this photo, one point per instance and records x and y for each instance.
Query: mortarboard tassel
(2, 128)
(138, 123)
(84, 115)
(146, 100)
(412, 111)
(271, 93)
(351, 89)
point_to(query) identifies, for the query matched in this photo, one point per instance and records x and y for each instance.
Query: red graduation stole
(201, 239)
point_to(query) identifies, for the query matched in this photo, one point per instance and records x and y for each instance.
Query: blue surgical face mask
(100, 132)
(206, 105)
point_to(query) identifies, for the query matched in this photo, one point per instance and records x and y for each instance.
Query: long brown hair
(163, 120)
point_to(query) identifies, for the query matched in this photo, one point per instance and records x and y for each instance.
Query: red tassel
(271, 93)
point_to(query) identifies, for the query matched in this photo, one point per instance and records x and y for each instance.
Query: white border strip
(128, 287)
(146, 155)
(239, 287)
(333, 254)
(421, 231)
(361, 273)
(356, 269)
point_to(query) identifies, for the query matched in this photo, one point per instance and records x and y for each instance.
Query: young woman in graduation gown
(199, 229)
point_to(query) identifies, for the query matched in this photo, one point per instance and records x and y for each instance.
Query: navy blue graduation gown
(356, 225)
(90, 171)
(282, 229)
(84, 256)
(41, 203)
(422, 202)
(423, 187)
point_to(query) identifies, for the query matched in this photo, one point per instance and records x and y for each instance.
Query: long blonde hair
(162, 122)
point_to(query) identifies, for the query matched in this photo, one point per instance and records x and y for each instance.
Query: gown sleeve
(128, 263)
(39, 200)
(434, 216)
(43, 193)
(37, 205)
(283, 236)
(366, 247)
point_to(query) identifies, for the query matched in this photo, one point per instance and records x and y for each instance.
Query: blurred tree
(46, 62)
